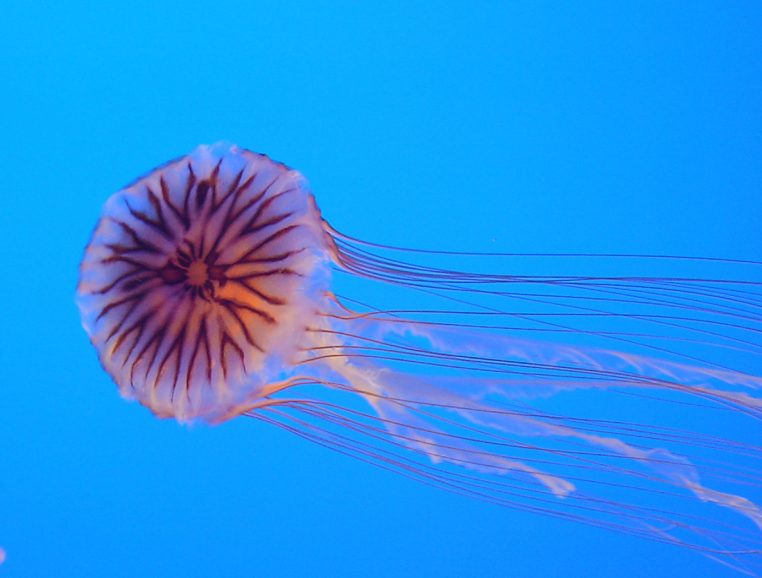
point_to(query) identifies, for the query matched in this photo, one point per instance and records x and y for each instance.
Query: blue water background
(534, 126)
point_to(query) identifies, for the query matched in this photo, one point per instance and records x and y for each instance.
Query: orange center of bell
(197, 273)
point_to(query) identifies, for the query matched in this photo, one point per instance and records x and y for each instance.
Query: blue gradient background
(609, 127)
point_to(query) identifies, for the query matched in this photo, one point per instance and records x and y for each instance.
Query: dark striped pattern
(190, 275)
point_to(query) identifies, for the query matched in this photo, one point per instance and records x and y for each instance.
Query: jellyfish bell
(209, 290)
(199, 280)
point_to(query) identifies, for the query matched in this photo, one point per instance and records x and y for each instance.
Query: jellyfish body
(207, 291)
(198, 280)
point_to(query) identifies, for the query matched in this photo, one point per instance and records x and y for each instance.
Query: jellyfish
(620, 391)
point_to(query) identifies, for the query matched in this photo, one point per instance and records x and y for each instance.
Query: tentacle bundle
(199, 280)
